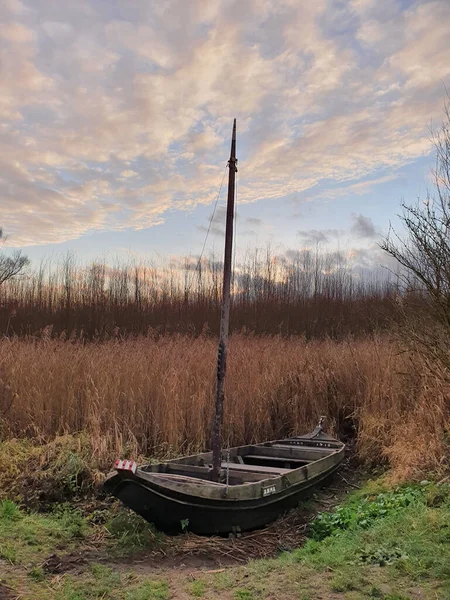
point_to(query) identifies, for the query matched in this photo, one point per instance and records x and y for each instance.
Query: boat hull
(172, 510)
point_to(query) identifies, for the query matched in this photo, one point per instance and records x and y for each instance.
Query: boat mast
(225, 314)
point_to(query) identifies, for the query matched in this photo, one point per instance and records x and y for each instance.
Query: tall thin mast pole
(225, 314)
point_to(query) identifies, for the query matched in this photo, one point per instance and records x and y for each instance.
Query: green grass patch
(364, 512)
(244, 594)
(37, 574)
(106, 583)
(27, 537)
(396, 528)
(221, 582)
(405, 530)
(197, 588)
(9, 511)
(150, 590)
(132, 533)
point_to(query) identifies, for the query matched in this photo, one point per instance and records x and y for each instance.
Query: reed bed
(153, 396)
(315, 294)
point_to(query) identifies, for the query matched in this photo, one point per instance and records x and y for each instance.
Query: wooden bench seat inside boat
(287, 451)
(253, 458)
(254, 468)
(302, 452)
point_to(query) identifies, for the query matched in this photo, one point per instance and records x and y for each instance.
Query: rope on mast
(233, 275)
(189, 287)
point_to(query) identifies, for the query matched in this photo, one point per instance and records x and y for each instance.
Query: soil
(6, 593)
(55, 565)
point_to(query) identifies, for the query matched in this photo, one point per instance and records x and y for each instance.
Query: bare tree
(424, 254)
(11, 266)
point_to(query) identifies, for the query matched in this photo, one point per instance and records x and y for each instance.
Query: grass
(104, 583)
(150, 590)
(42, 474)
(407, 533)
(29, 537)
(401, 552)
(197, 588)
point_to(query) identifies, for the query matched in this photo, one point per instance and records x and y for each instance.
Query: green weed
(222, 581)
(362, 513)
(106, 580)
(347, 580)
(9, 510)
(396, 529)
(342, 584)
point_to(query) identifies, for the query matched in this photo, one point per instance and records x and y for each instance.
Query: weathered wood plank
(293, 452)
(291, 459)
(254, 468)
(301, 452)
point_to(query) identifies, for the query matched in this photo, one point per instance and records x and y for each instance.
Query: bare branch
(424, 254)
(11, 266)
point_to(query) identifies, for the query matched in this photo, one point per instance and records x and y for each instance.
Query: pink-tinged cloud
(114, 113)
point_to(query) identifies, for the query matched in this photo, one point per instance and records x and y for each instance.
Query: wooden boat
(232, 490)
(258, 483)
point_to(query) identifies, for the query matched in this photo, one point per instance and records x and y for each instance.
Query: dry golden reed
(155, 396)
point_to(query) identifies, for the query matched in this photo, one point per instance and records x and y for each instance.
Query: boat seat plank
(281, 459)
(306, 450)
(287, 451)
(254, 468)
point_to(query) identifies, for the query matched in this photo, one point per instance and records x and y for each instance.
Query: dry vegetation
(311, 293)
(123, 355)
(153, 395)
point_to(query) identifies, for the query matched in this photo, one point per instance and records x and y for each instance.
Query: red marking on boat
(125, 465)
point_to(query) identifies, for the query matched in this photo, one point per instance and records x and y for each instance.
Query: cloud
(359, 188)
(254, 221)
(216, 223)
(373, 259)
(363, 227)
(312, 237)
(110, 118)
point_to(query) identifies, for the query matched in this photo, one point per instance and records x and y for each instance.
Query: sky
(116, 117)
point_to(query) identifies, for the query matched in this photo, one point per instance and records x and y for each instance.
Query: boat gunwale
(226, 503)
(245, 491)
